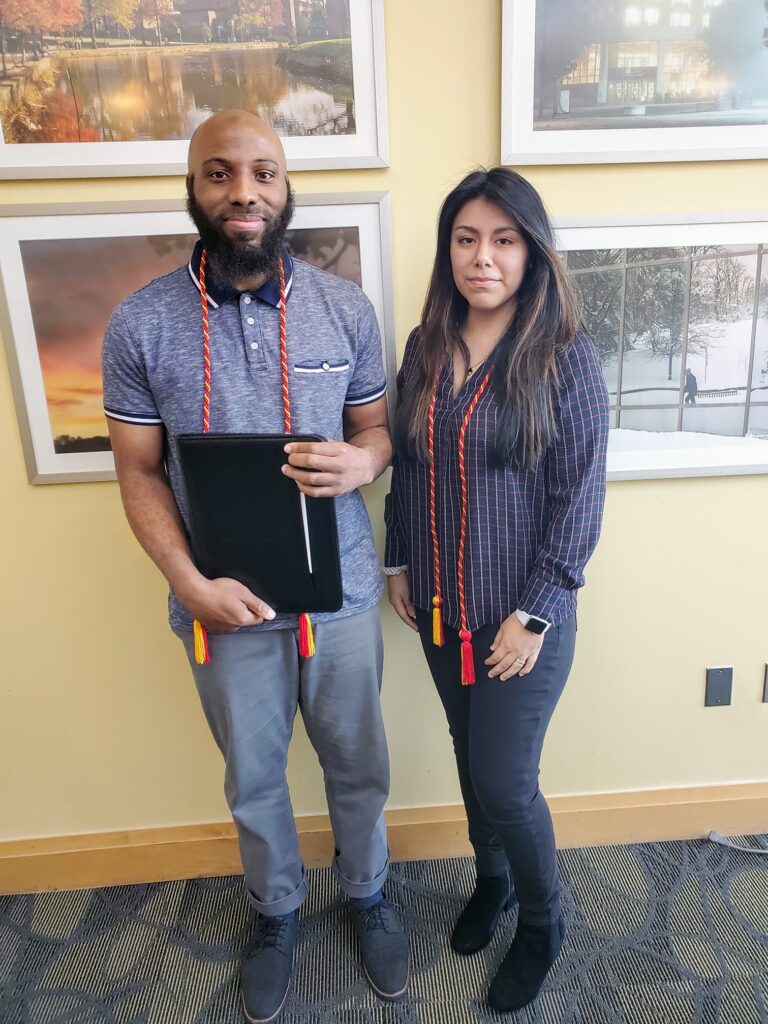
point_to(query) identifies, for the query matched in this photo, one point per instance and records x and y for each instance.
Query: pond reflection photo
(119, 86)
(63, 275)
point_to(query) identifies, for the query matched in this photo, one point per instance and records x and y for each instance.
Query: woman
(496, 502)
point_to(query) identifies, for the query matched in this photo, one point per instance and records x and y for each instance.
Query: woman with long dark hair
(497, 495)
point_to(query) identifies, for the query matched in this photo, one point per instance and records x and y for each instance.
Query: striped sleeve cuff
(144, 419)
(394, 548)
(543, 599)
(368, 397)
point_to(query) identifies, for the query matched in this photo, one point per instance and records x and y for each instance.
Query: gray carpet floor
(666, 933)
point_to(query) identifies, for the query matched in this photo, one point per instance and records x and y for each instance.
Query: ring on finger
(521, 660)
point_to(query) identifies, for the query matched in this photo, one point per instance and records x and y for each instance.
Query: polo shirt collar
(269, 291)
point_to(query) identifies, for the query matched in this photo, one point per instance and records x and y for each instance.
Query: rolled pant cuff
(360, 890)
(285, 905)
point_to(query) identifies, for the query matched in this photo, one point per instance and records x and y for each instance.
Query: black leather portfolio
(251, 523)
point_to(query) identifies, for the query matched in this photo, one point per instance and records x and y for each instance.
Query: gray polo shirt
(153, 374)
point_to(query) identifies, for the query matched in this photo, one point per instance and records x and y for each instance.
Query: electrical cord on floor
(715, 837)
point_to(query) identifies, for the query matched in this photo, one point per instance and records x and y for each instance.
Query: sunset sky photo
(75, 283)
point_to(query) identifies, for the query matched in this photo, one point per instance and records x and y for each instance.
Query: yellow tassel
(202, 655)
(438, 639)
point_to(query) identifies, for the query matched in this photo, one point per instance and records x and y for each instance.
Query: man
(154, 383)
(691, 388)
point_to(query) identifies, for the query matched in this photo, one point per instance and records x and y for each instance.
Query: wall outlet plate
(719, 687)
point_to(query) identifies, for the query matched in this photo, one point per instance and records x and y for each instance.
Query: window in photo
(587, 71)
(656, 420)
(758, 421)
(682, 333)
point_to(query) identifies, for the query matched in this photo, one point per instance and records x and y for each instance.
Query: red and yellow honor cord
(306, 637)
(467, 654)
(438, 636)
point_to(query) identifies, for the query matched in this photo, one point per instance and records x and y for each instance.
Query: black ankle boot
(478, 920)
(526, 965)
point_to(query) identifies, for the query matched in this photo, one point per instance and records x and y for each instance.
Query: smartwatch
(532, 623)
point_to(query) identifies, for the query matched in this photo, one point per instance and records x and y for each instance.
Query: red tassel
(467, 658)
(306, 637)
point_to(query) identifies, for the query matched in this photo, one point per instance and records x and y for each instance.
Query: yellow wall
(100, 727)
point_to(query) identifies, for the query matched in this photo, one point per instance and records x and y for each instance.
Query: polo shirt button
(326, 366)
(254, 344)
(251, 320)
(247, 300)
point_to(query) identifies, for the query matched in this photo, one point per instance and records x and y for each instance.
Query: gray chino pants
(250, 692)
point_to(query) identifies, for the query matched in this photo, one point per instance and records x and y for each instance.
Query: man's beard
(233, 260)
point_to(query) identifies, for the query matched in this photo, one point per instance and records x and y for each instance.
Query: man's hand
(399, 592)
(325, 469)
(515, 650)
(224, 605)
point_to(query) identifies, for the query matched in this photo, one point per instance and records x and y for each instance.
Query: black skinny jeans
(498, 731)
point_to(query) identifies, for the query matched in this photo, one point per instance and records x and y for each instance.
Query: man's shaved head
(221, 128)
(238, 195)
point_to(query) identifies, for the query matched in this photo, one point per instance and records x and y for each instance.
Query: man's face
(239, 196)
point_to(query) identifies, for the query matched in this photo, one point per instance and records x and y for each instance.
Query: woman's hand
(399, 591)
(515, 650)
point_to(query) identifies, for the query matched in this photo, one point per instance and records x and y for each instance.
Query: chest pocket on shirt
(323, 366)
(320, 388)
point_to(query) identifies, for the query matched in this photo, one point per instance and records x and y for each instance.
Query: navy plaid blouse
(529, 532)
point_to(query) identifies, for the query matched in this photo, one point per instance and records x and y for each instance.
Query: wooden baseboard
(197, 851)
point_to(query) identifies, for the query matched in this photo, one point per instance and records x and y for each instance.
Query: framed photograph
(588, 81)
(63, 269)
(678, 311)
(117, 89)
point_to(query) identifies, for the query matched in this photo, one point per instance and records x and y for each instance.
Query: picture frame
(631, 93)
(662, 296)
(352, 104)
(64, 267)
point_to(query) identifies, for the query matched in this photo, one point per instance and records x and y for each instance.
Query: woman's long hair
(525, 361)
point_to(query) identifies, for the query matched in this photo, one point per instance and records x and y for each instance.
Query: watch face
(536, 625)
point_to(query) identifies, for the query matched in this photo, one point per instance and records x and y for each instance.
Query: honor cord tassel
(467, 658)
(306, 636)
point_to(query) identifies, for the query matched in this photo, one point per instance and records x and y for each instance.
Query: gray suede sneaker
(384, 948)
(265, 970)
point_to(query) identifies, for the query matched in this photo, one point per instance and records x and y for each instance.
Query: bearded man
(156, 377)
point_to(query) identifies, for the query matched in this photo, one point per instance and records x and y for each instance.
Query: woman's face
(489, 256)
